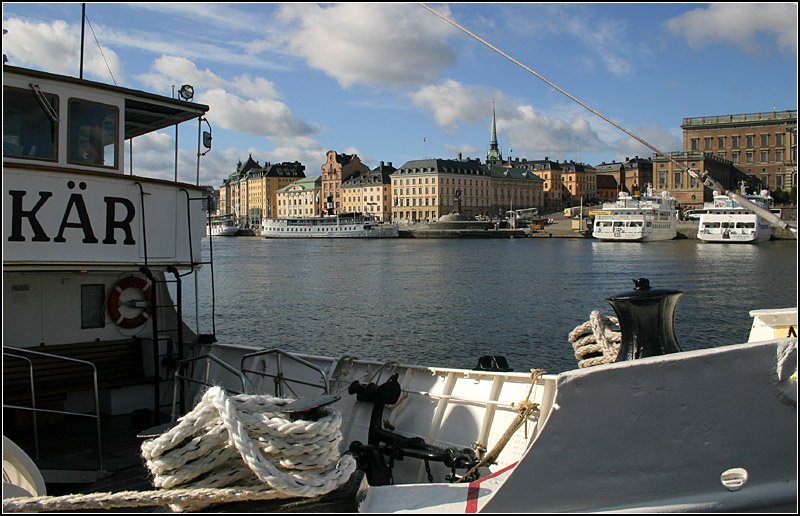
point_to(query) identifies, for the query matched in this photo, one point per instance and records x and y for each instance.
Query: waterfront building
(631, 173)
(580, 182)
(514, 188)
(300, 198)
(337, 169)
(370, 193)
(424, 190)
(761, 145)
(552, 185)
(607, 187)
(249, 194)
(687, 190)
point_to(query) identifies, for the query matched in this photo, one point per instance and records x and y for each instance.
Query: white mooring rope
(597, 341)
(229, 448)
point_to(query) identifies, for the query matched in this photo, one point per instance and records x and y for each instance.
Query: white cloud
(520, 126)
(372, 44)
(451, 102)
(245, 104)
(743, 25)
(56, 47)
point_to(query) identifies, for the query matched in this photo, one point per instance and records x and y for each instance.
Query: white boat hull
(322, 228)
(663, 433)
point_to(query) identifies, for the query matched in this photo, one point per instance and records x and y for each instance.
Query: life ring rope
(114, 298)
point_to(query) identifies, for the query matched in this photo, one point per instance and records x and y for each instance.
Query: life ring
(114, 302)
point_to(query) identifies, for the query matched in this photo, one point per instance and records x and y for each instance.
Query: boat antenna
(704, 178)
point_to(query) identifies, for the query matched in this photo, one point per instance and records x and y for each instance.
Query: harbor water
(447, 302)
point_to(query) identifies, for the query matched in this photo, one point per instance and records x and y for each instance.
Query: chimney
(459, 156)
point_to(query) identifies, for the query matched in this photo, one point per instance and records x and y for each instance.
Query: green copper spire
(494, 153)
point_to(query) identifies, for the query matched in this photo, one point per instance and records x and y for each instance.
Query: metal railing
(18, 354)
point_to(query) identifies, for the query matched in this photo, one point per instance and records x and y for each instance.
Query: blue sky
(392, 82)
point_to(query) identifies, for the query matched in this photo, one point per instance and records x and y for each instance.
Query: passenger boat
(648, 218)
(726, 220)
(100, 365)
(344, 225)
(224, 226)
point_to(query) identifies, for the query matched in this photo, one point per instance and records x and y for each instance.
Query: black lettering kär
(124, 225)
(17, 214)
(76, 201)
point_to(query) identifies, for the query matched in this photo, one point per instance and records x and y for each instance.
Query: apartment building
(250, 192)
(370, 193)
(687, 190)
(300, 198)
(761, 145)
(337, 169)
(424, 190)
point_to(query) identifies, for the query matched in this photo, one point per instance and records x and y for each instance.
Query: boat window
(92, 306)
(93, 130)
(745, 225)
(29, 127)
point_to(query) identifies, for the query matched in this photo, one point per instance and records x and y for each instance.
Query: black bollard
(646, 320)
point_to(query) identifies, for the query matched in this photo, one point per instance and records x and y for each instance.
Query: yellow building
(249, 194)
(370, 193)
(424, 190)
(299, 199)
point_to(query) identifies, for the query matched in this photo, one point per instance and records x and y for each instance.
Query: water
(447, 302)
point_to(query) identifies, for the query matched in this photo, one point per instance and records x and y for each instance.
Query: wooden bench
(118, 364)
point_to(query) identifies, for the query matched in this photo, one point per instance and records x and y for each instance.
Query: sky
(392, 82)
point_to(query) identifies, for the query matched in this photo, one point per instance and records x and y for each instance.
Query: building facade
(300, 198)
(249, 194)
(761, 145)
(580, 182)
(370, 193)
(424, 190)
(688, 191)
(337, 169)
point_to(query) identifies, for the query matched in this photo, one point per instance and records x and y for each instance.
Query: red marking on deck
(474, 489)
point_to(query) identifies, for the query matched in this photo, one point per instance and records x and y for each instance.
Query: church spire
(494, 153)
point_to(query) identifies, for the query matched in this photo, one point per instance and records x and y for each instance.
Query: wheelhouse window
(93, 133)
(30, 124)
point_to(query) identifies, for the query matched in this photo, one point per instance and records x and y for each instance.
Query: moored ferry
(724, 220)
(344, 225)
(222, 226)
(637, 219)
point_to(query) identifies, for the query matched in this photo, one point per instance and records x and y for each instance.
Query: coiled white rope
(597, 341)
(243, 444)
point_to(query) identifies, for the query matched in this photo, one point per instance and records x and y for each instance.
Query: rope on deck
(235, 448)
(597, 341)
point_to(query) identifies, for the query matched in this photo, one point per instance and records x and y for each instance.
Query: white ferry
(725, 220)
(345, 225)
(222, 226)
(630, 219)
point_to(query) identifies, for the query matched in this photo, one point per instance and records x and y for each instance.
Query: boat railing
(20, 354)
(203, 379)
(259, 358)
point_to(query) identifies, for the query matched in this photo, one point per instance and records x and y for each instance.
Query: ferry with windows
(632, 218)
(222, 226)
(724, 220)
(343, 225)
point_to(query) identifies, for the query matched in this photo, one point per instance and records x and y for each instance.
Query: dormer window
(93, 134)
(30, 124)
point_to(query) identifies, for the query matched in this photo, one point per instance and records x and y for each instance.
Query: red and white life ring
(114, 302)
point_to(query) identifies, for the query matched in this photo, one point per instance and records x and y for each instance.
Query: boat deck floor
(68, 452)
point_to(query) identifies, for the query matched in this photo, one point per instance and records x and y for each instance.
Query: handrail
(96, 415)
(33, 400)
(280, 379)
(209, 358)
